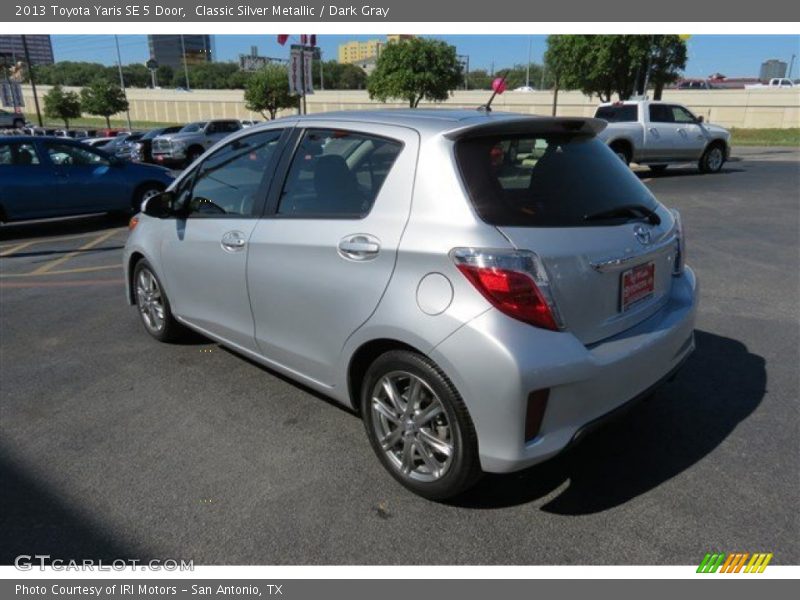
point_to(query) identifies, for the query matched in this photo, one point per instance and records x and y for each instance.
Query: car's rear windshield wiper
(636, 211)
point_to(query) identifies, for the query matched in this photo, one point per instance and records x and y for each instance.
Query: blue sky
(733, 55)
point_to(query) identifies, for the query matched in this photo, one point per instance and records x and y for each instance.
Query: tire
(143, 192)
(153, 305)
(658, 168)
(19, 123)
(713, 159)
(193, 154)
(623, 152)
(432, 451)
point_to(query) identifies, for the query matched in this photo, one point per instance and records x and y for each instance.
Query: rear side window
(336, 174)
(18, 154)
(546, 180)
(661, 113)
(618, 114)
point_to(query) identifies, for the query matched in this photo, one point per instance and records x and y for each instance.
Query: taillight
(680, 245)
(133, 223)
(514, 281)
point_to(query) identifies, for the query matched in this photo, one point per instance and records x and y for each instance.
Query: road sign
(11, 92)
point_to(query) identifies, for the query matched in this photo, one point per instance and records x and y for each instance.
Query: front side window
(228, 182)
(337, 174)
(18, 154)
(681, 115)
(69, 155)
(546, 180)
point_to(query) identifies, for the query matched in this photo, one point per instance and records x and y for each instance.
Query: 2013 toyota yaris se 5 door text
(479, 287)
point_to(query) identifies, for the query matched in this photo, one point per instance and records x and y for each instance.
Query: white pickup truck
(659, 133)
(776, 83)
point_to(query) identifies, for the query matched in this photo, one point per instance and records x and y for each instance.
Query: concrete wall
(730, 108)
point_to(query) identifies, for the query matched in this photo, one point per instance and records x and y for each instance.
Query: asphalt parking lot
(112, 445)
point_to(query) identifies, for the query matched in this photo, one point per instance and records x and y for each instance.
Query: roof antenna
(499, 86)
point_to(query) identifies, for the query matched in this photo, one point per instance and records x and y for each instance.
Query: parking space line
(61, 271)
(54, 263)
(16, 248)
(62, 238)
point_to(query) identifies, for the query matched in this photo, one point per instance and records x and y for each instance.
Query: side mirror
(700, 119)
(160, 206)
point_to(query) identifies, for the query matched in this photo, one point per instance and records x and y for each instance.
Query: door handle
(233, 241)
(361, 246)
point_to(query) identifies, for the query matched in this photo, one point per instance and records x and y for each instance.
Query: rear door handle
(361, 246)
(233, 241)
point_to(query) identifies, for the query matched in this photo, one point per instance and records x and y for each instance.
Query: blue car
(42, 177)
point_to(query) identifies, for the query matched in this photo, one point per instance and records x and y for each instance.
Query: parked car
(10, 119)
(775, 83)
(524, 88)
(123, 146)
(185, 146)
(695, 84)
(110, 132)
(53, 177)
(143, 148)
(659, 133)
(533, 286)
(97, 142)
(249, 122)
(75, 134)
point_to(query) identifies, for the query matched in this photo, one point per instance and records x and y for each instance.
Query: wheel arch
(361, 360)
(133, 260)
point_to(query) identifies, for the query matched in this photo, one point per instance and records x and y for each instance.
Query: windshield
(193, 127)
(546, 180)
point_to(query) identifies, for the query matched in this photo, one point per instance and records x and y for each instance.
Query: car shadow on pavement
(718, 387)
(684, 172)
(34, 520)
(59, 227)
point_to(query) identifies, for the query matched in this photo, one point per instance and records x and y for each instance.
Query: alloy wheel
(150, 300)
(412, 426)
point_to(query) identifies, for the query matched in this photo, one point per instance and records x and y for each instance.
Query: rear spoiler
(533, 125)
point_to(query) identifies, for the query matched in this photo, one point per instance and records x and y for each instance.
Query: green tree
(103, 99)
(59, 104)
(669, 59)
(608, 64)
(164, 75)
(414, 70)
(267, 91)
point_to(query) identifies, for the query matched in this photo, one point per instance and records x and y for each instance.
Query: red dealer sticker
(637, 284)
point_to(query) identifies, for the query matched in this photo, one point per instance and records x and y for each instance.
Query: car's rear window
(618, 114)
(546, 180)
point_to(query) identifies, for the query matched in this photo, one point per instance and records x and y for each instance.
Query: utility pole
(33, 80)
(321, 71)
(122, 82)
(791, 68)
(185, 65)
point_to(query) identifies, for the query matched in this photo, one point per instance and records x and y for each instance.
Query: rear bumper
(495, 362)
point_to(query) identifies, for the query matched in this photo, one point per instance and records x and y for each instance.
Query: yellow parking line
(61, 271)
(17, 248)
(54, 263)
(63, 238)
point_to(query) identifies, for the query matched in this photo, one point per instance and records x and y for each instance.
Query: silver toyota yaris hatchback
(480, 287)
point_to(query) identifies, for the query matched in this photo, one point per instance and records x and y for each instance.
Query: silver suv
(15, 120)
(480, 288)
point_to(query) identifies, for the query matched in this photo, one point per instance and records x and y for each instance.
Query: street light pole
(122, 82)
(33, 80)
(185, 65)
(528, 69)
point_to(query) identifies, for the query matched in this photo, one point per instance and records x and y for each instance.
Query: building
(39, 46)
(169, 49)
(358, 52)
(772, 68)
